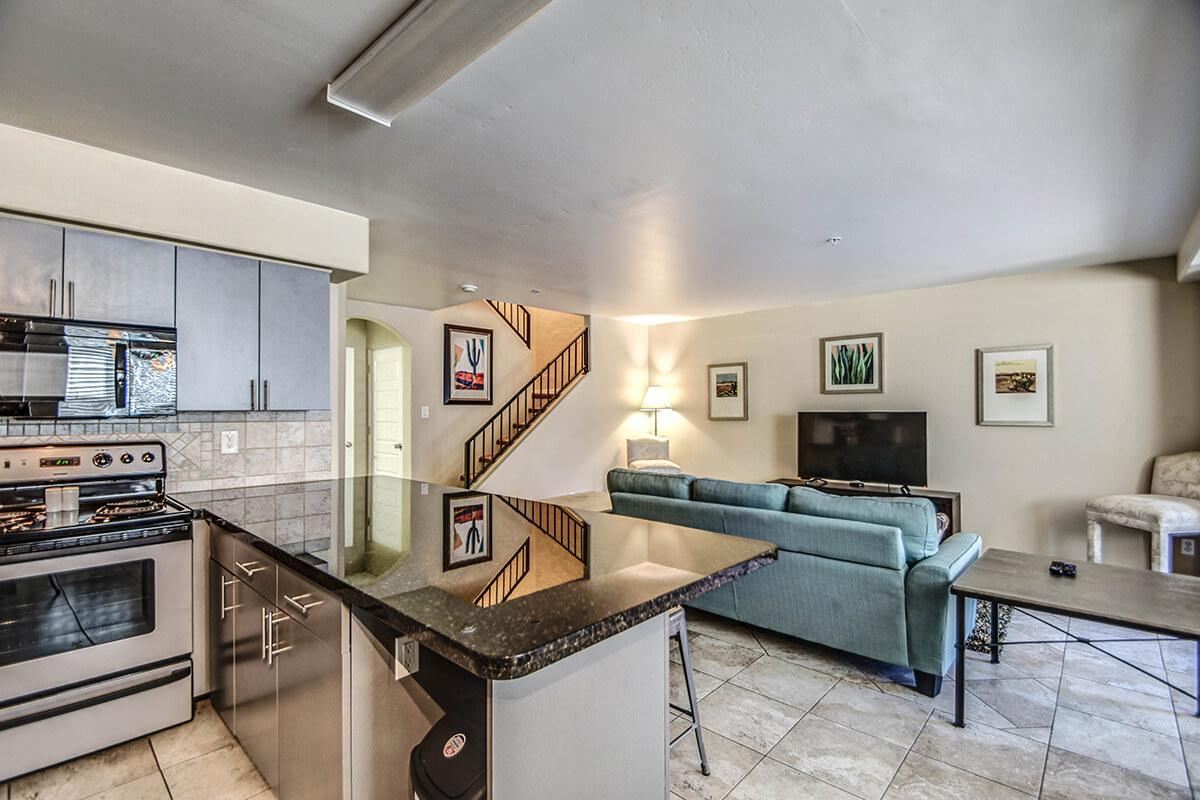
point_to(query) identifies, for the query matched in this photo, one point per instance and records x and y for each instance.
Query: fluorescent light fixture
(428, 45)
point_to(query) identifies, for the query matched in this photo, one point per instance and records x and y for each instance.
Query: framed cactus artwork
(852, 364)
(1015, 385)
(468, 366)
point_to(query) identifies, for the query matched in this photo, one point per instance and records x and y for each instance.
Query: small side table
(1152, 602)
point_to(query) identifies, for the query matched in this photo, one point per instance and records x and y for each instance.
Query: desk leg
(995, 632)
(960, 658)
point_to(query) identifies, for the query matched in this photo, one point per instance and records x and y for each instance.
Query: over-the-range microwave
(53, 368)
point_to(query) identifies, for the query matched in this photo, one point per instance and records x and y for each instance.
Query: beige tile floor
(196, 761)
(785, 719)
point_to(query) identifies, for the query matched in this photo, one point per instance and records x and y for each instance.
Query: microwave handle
(120, 357)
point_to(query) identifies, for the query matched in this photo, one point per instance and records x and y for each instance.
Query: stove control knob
(102, 460)
(127, 458)
(148, 457)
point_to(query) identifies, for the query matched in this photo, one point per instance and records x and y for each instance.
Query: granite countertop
(587, 577)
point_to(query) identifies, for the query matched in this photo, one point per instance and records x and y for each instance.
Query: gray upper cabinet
(118, 279)
(293, 338)
(217, 318)
(31, 263)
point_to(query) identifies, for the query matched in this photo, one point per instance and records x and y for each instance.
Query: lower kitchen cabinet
(223, 593)
(277, 672)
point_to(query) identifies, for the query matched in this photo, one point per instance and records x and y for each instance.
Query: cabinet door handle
(224, 608)
(274, 619)
(71, 298)
(266, 395)
(298, 603)
(266, 636)
(252, 397)
(53, 296)
(251, 568)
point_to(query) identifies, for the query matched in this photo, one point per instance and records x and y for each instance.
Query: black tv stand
(946, 502)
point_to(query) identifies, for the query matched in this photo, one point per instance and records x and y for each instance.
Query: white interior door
(387, 448)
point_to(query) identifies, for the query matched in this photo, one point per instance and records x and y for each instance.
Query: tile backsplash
(273, 446)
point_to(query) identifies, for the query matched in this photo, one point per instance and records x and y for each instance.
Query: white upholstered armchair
(1171, 509)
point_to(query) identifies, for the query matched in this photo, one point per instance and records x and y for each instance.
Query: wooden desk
(946, 502)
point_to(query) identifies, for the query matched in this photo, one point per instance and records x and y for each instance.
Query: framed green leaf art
(852, 364)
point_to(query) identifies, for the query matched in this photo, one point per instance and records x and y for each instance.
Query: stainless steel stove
(95, 601)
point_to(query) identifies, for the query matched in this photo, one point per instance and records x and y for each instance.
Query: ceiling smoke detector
(469, 288)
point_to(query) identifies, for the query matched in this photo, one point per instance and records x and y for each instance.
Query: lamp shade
(655, 399)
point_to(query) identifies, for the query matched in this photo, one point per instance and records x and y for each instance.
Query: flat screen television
(867, 446)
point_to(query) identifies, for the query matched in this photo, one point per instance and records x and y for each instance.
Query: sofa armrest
(929, 612)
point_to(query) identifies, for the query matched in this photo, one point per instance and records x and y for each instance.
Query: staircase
(561, 524)
(508, 426)
(517, 317)
(506, 580)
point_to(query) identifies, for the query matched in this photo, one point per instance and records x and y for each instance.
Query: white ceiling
(665, 156)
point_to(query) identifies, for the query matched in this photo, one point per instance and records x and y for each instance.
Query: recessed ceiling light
(428, 45)
(469, 288)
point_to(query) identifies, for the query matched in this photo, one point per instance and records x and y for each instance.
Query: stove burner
(124, 509)
(20, 521)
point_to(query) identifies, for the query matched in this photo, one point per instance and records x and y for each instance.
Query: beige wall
(1127, 347)
(583, 437)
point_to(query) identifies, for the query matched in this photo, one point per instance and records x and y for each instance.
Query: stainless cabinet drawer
(313, 607)
(246, 563)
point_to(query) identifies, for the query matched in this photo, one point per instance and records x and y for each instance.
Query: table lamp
(655, 400)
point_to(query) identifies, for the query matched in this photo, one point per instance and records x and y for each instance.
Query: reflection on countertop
(500, 585)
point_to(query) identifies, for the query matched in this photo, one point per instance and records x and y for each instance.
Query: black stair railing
(517, 317)
(559, 523)
(508, 425)
(507, 579)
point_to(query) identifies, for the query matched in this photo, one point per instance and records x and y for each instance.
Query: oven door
(72, 619)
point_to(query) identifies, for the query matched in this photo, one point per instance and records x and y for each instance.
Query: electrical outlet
(1187, 547)
(408, 657)
(424, 412)
(229, 442)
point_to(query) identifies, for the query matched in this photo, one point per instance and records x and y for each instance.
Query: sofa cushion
(769, 496)
(632, 481)
(914, 516)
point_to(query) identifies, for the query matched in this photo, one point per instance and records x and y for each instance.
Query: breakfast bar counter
(527, 621)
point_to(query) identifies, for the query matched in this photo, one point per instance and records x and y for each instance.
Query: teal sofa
(864, 575)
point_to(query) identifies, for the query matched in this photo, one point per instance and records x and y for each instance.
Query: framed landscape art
(466, 529)
(1015, 385)
(852, 364)
(727, 391)
(468, 366)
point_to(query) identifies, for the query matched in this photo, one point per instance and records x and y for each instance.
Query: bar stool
(677, 625)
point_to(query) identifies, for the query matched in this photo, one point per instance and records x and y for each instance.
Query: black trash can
(450, 763)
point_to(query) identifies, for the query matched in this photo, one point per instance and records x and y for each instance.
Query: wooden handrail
(517, 316)
(510, 423)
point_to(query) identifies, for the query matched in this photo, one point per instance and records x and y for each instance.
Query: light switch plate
(1187, 547)
(424, 412)
(229, 442)
(408, 656)
(424, 488)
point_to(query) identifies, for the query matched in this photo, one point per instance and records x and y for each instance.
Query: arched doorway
(378, 431)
